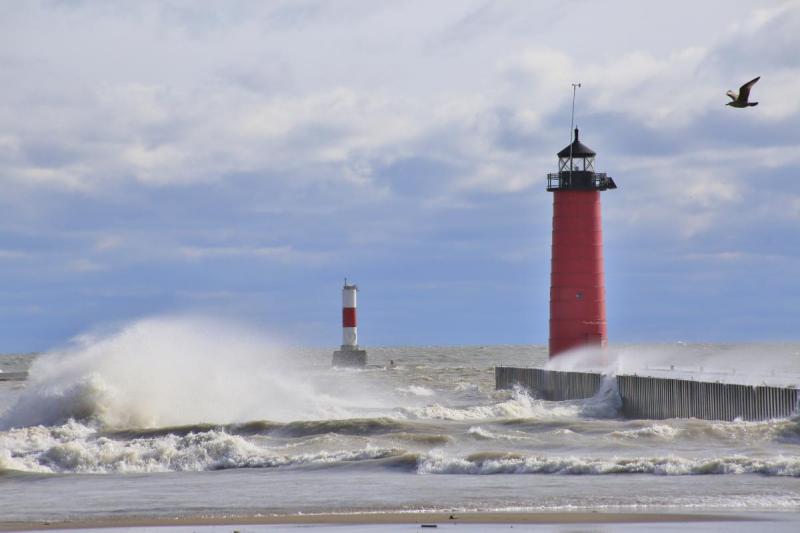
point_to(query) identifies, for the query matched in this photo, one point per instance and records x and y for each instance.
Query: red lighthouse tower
(577, 286)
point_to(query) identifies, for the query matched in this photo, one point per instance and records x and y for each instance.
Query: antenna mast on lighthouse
(575, 87)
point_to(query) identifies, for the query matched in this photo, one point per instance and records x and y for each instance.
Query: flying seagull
(740, 100)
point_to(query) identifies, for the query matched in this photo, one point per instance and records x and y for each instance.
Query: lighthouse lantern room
(576, 170)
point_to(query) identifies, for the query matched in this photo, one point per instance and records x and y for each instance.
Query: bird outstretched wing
(733, 95)
(744, 91)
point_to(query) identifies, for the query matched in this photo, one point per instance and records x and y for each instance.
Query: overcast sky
(240, 158)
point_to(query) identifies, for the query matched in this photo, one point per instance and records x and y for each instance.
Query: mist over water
(751, 364)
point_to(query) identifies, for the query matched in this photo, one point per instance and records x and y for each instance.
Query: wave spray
(167, 371)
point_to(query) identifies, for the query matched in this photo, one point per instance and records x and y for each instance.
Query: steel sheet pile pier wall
(659, 398)
(649, 397)
(549, 385)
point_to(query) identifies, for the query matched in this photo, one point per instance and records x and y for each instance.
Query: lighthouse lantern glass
(578, 164)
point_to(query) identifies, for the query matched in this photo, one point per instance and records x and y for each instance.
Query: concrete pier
(659, 397)
(352, 357)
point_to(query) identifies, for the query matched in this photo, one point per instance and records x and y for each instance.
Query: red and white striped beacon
(349, 354)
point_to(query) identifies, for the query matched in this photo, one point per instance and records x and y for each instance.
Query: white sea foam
(482, 433)
(494, 463)
(75, 448)
(79, 448)
(519, 406)
(416, 390)
(606, 402)
(467, 387)
(657, 431)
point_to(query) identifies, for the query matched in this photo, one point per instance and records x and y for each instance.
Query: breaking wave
(173, 371)
(654, 431)
(511, 463)
(74, 448)
(519, 406)
(351, 426)
(761, 432)
(348, 426)
(79, 448)
(481, 433)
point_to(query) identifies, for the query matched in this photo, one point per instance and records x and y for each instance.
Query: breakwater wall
(658, 397)
(350, 357)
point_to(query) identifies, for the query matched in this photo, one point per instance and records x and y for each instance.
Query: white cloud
(173, 108)
(12, 254)
(108, 242)
(284, 254)
(85, 266)
(163, 112)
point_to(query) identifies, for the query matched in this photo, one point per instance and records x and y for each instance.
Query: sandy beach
(378, 519)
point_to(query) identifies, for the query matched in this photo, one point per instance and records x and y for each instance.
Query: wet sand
(378, 519)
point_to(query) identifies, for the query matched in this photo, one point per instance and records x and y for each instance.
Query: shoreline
(377, 518)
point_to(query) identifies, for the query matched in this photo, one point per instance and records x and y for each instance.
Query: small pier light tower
(577, 285)
(349, 354)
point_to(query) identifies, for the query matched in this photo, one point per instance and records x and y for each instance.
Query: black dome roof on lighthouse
(578, 149)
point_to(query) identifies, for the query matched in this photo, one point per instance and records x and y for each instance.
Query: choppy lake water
(176, 418)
